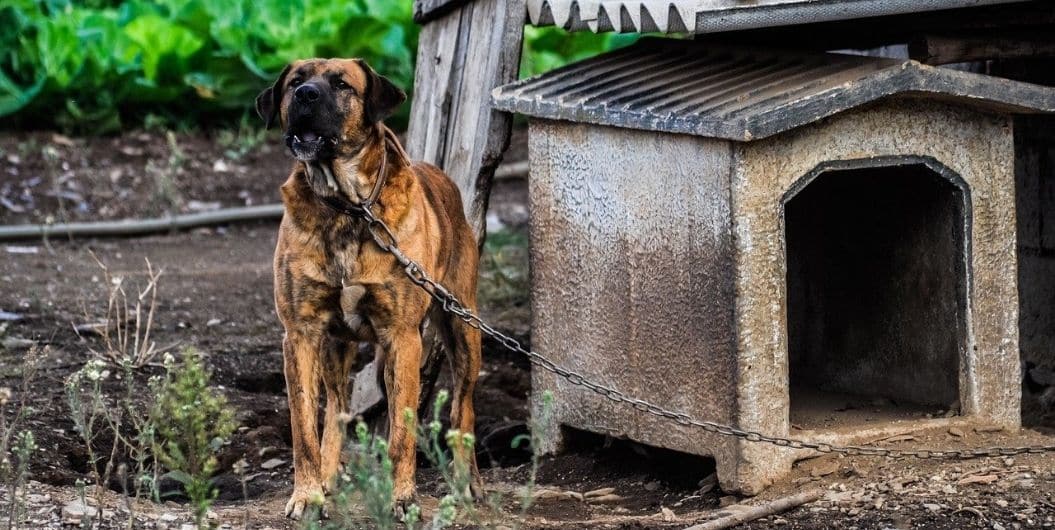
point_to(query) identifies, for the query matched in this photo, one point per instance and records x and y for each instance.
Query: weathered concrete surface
(658, 265)
(1035, 195)
(977, 147)
(632, 280)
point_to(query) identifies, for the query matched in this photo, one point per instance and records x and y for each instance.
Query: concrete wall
(632, 279)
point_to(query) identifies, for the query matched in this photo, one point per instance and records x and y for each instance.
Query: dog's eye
(341, 85)
(296, 81)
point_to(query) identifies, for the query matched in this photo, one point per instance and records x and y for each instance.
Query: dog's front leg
(403, 384)
(302, 386)
(336, 370)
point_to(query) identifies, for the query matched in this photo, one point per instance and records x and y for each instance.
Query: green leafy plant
(547, 48)
(192, 421)
(92, 66)
(95, 66)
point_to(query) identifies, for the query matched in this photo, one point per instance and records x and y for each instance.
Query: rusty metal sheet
(709, 16)
(734, 93)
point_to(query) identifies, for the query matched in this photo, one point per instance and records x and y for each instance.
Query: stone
(728, 500)
(272, 464)
(75, 512)
(598, 492)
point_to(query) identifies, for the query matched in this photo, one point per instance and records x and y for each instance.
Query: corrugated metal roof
(707, 16)
(734, 93)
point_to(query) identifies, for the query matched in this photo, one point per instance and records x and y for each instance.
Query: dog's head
(327, 107)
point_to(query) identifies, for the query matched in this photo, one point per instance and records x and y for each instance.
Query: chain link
(387, 242)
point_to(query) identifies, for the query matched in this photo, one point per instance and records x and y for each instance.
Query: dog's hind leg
(463, 350)
(403, 383)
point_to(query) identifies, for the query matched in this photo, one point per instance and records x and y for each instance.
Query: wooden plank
(462, 56)
(426, 11)
(947, 49)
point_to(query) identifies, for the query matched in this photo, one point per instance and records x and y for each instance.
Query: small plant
(364, 489)
(167, 197)
(535, 438)
(127, 425)
(237, 143)
(455, 471)
(192, 421)
(93, 416)
(126, 329)
(363, 495)
(17, 445)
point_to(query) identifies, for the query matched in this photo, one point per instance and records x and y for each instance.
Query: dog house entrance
(876, 287)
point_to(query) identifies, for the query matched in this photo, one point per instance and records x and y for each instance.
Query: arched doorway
(877, 307)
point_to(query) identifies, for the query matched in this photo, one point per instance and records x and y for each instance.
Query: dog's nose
(306, 93)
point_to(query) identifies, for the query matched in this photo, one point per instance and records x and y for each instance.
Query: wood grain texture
(462, 56)
(426, 11)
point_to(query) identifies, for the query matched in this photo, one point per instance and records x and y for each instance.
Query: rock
(932, 507)
(36, 498)
(168, 518)
(956, 431)
(727, 500)
(75, 512)
(982, 429)
(708, 483)
(1001, 503)
(998, 526)
(652, 486)
(605, 499)
(6, 316)
(546, 493)
(272, 464)
(978, 479)
(824, 469)
(600, 492)
(574, 495)
(667, 514)
(213, 322)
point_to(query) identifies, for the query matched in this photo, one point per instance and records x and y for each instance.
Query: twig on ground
(745, 513)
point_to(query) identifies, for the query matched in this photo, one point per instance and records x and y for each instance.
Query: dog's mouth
(310, 146)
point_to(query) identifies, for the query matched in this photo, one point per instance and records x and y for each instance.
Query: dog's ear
(381, 97)
(269, 101)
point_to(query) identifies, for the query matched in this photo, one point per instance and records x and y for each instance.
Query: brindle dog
(334, 287)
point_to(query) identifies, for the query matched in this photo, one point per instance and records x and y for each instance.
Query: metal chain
(386, 240)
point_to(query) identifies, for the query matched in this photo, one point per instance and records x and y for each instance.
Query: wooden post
(463, 55)
(466, 48)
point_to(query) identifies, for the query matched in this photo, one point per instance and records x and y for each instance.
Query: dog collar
(362, 208)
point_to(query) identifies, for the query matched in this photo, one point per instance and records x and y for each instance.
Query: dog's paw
(301, 499)
(476, 488)
(403, 506)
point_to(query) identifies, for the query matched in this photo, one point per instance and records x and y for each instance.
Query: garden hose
(138, 227)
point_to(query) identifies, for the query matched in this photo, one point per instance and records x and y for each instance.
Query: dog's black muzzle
(314, 123)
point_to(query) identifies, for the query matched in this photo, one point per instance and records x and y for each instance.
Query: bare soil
(215, 296)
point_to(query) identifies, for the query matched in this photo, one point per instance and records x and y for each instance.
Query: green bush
(95, 66)
(192, 421)
(91, 66)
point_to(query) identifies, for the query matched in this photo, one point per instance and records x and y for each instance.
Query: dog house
(812, 245)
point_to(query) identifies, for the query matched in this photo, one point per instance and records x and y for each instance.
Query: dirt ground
(215, 296)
